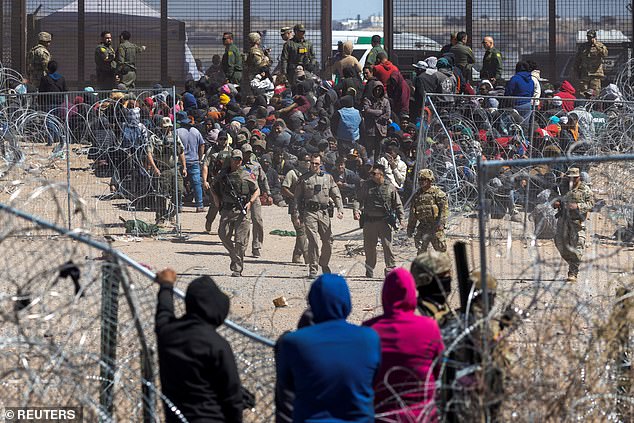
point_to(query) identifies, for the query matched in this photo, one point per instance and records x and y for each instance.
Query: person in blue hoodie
(345, 123)
(521, 85)
(331, 365)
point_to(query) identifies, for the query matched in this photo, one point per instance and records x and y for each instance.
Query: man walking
(288, 191)
(231, 60)
(573, 209)
(194, 151)
(105, 62)
(126, 59)
(491, 62)
(38, 59)
(380, 210)
(589, 63)
(313, 194)
(234, 192)
(428, 214)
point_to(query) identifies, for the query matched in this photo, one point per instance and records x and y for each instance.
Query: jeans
(193, 174)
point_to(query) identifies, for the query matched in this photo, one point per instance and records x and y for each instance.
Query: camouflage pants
(372, 232)
(234, 231)
(301, 244)
(570, 241)
(317, 226)
(258, 225)
(425, 234)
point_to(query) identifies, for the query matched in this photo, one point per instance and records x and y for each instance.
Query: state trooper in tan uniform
(380, 211)
(313, 194)
(255, 170)
(38, 59)
(234, 191)
(573, 209)
(428, 214)
(288, 191)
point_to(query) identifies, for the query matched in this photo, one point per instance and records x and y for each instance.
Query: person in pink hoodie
(567, 94)
(410, 349)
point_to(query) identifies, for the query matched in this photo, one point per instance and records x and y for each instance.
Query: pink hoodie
(409, 346)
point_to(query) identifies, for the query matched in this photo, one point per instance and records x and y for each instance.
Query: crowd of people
(411, 363)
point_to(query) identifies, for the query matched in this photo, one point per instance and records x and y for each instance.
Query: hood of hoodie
(399, 292)
(347, 48)
(525, 76)
(55, 76)
(134, 116)
(329, 298)
(567, 87)
(204, 300)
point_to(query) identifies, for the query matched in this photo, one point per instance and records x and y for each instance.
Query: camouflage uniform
(256, 59)
(377, 202)
(570, 238)
(162, 150)
(106, 66)
(589, 64)
(214, 162)
(38, 59)
(301, 244)
(298, 52)
(429, 211)
(313, 194)
(232, 64)
(233, 223)
(126, 62)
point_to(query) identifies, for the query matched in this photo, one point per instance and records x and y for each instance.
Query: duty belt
(312, 206)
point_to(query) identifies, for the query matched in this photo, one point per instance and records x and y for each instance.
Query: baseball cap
(246, 148)
(285, 29)
(236, 153)
(421, 64)
(165, 122)
(573, 172)
(299, 27)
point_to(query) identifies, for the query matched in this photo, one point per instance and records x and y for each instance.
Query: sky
(342, 9)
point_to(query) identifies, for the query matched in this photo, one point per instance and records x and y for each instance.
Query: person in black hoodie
(197, 366)
(52, 82)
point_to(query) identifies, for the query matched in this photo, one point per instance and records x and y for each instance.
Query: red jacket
(567, 94)
(383, 72)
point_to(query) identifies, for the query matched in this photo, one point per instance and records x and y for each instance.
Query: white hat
(421, 64)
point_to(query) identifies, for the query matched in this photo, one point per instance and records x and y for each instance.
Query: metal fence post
(67, 141)
(177, 195)
(110, 280)
(623, 356)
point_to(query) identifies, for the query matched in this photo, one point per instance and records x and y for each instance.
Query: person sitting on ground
(198, 370)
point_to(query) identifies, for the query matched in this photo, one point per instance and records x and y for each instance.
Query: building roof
(130, 8)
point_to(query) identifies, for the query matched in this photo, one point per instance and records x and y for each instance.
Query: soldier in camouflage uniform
(573, 209)
(213, 163)
(160, 157)
(298, 51)
(256, 59)
(234, 192)
(105, 62)
(313, 194)
(432, 273)
(381, 206)
(232, 60)
(429, 210)
(589, 63)
(255, 170)
(126, 59)
(38, 59)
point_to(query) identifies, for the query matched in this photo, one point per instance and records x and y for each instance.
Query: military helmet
(426, 174)
(573, 172)
(492, 283)
(44, 36)
(429, 264)
(592, 33)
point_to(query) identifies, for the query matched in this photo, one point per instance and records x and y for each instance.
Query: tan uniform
(256, 59)
(38, 59)
(313, 194)
(301, 244)
(570, 238)
(427, 217)
(377, 202)
(589, 65)
(235, 226)
(256, 172)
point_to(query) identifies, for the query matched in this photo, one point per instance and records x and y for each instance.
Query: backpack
(131, 137)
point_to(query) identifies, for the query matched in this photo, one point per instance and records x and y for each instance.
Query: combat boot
(572, 277)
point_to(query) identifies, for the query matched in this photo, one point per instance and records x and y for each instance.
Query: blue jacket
(331, 365)
(520, 85)
(350, 120)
